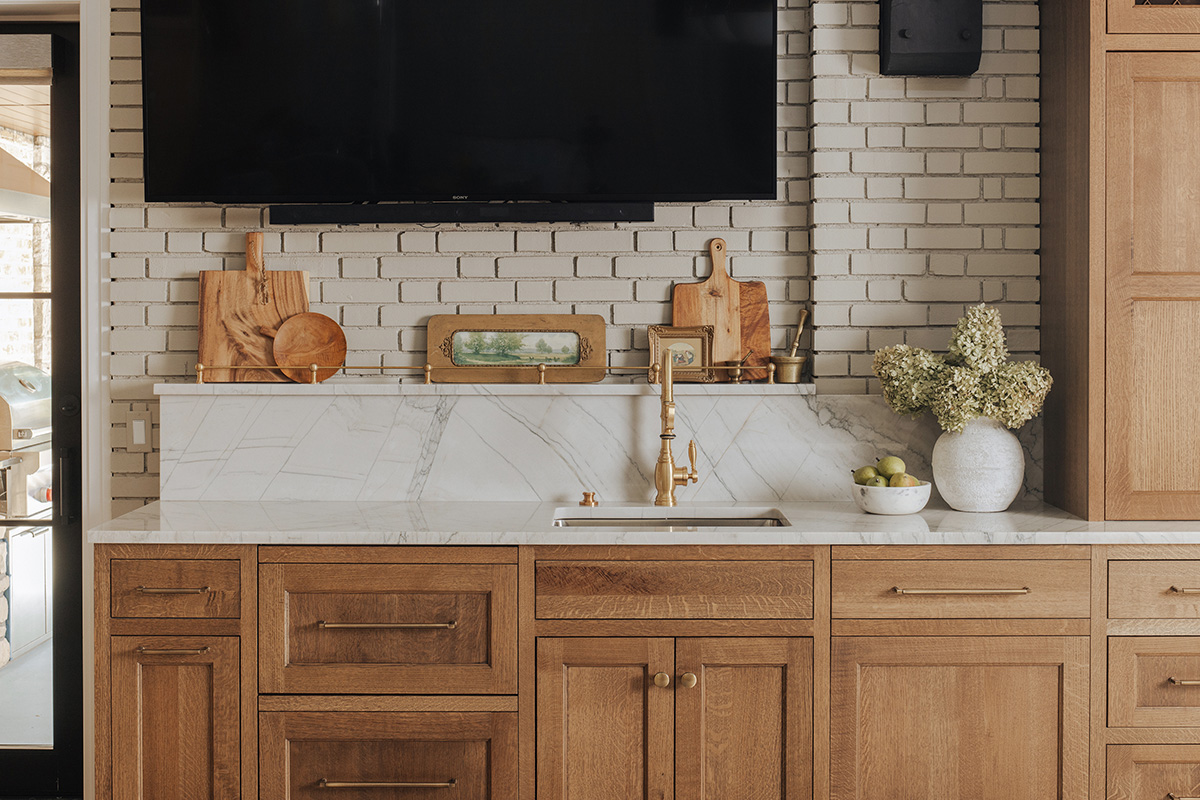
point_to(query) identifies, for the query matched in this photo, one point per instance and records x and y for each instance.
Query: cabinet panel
(966, 589)
(1153, 284)
(1154, 589)
(388, 755)
(744, 730)
(674, 589)
(1154, 681)
(1157, 16)
(387, 628)
(175, 718)
(1153, 772)
(604, 729)
(1002, 718)
(176, 588)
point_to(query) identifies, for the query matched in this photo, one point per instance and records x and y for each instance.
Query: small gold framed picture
(690, 349)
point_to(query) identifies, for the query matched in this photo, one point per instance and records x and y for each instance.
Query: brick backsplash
(900, 201)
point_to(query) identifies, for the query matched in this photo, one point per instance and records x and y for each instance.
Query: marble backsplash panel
(547, 443)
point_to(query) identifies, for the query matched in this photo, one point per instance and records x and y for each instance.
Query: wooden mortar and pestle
(788, 368)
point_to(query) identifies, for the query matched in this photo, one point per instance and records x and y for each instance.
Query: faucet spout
(666, 475)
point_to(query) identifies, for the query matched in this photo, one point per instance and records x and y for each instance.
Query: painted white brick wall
(905, 199)
(925, 191)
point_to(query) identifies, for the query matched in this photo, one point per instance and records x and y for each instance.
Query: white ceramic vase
(980, 469)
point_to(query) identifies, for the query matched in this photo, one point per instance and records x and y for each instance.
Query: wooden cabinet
(176, 718)
(387, 628)
(1152, 16)
(1153, 772)
(175, 684)
(1153, 258)
(1120, 275)
(945, 718)
(388, 755)
(688, 718)
(1014, 673)
(677, 589)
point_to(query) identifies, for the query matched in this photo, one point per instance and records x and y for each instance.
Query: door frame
(58, 771)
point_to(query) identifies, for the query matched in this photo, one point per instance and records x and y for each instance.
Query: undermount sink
(669, 519)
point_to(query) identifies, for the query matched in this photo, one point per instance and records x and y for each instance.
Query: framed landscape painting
(510, 348)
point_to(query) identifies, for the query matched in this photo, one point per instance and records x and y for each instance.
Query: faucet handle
(693, 476)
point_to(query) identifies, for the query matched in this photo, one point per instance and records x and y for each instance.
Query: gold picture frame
(694, 348)
(508, 348)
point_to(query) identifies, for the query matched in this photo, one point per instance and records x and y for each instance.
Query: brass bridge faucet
(666, 475)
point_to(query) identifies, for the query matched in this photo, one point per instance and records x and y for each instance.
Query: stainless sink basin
(669, 519)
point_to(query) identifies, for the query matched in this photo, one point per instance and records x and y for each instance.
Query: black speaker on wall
(930, 37)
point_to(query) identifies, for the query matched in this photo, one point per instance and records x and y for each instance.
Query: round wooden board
(306, 339)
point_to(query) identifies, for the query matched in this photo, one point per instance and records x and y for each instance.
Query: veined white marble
(509, 523)
(410, 442)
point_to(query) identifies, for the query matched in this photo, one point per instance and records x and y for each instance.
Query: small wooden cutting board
(737, 310)
(235, 305)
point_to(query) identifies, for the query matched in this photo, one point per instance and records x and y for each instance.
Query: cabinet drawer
(967, 589)
(674, 589)
(387, 628)
(388, 754)
(1154, 589)
(1154, 681)
(176, 588)
(1153, 771)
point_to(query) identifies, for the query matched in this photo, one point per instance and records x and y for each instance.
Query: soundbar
(383, 213)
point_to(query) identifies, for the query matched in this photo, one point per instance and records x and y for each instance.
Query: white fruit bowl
(892, 499)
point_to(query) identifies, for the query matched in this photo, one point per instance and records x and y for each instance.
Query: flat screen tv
(343, 101)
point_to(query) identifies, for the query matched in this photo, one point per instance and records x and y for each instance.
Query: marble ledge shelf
(347, 388)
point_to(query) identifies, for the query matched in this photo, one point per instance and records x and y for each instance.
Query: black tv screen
(275, 101)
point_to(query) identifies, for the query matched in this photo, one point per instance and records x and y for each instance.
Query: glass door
(41, 550)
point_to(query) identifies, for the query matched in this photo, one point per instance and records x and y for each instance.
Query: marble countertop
(500, 523)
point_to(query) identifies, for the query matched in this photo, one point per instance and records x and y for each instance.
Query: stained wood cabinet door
(743, 731)
(1153, 284)
(175, 718)
(947, 718)
(604, 729)
(732, 719)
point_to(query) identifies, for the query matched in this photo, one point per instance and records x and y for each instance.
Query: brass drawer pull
(173, 651)
(326, 784)
(688, 680)
(1182, 682)
(449, 626)
(1183, 590)
(662, 680)
(188, 590)
(898, 590)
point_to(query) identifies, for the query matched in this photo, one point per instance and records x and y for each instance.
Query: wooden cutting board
(737, 310)
(235, 305)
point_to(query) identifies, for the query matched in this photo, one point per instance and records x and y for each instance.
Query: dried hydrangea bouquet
(975, 393)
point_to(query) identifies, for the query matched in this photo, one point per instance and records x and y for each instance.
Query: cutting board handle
(719, 280)
(256, 268)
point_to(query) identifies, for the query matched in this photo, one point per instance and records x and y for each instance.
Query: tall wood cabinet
(1121, 256)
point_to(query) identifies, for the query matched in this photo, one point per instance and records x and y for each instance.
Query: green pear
(864, 474)
(889, 466)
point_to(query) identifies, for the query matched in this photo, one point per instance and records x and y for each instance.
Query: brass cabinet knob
(662, 680)
(688, 680)
(589, 499)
